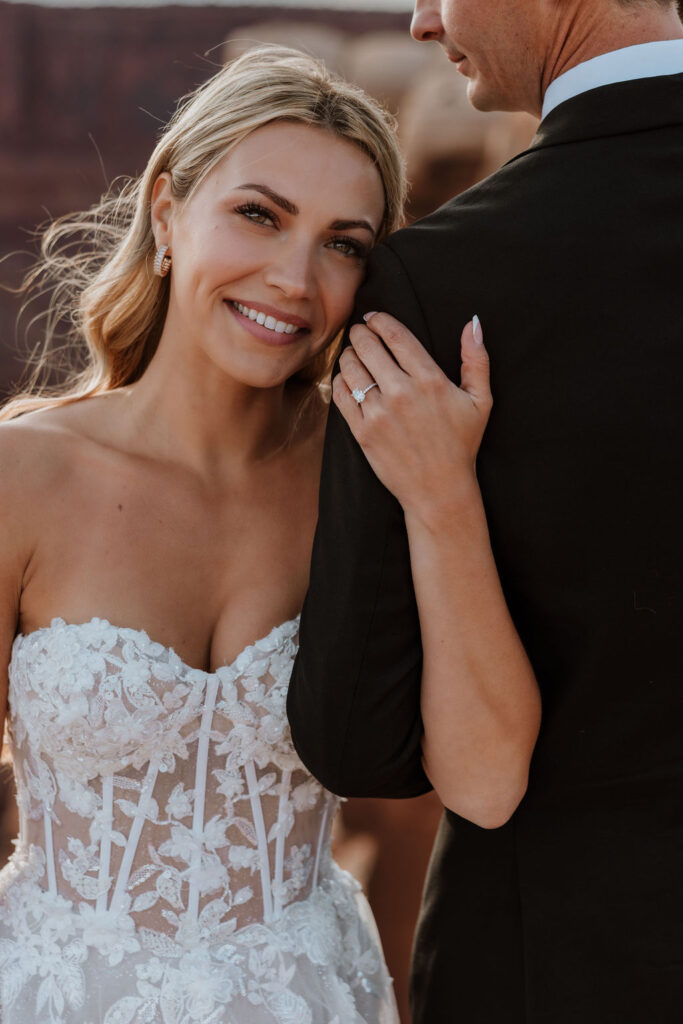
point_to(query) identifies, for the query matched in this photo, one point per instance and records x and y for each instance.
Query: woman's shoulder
(32, 435)
(30, 466)
(65, 424)
(37, 450)
(40, 453)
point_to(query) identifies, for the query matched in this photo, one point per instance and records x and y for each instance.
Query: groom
(572, 912)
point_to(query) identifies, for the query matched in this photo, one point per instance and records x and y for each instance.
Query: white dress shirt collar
(647, 60)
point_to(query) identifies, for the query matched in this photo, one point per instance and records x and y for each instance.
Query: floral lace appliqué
(173, 865)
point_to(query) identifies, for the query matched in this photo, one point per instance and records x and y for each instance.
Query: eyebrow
(346, 225)
(279, 200)
(291, 208)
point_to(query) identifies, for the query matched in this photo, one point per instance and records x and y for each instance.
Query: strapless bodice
(158, 790)
(163, 811)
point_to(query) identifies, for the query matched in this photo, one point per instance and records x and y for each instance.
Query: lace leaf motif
(98, 716)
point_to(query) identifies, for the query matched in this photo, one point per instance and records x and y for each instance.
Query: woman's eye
(257, 214)
(349, 247)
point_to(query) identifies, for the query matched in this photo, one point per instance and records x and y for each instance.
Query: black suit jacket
(571, 255)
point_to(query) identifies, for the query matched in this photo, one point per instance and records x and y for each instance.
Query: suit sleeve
(354, 697)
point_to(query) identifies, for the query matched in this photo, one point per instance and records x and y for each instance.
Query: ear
(162, 209)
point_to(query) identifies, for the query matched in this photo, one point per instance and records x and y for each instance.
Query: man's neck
(586, 30)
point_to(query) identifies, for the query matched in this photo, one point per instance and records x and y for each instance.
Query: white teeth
(279, 326)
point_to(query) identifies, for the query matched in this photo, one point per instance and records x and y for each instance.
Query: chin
(257, 366)
(480, 97)
(487, 99)
(263, 380)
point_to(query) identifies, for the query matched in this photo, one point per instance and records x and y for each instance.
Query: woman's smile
(274, 326)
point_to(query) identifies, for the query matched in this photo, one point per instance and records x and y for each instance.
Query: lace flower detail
(170, 807)
(111, 933)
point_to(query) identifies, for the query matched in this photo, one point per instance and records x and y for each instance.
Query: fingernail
(369, 316)
(478, 332)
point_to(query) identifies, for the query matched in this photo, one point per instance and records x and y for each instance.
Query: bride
(157, 516)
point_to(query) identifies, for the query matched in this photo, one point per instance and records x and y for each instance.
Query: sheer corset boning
(166, 818)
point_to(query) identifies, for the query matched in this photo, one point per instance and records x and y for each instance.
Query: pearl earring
(162, 262)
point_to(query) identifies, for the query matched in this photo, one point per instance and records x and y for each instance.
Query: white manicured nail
(477, 330)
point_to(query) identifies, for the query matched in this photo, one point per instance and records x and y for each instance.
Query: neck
(585, 29)
(189, 412)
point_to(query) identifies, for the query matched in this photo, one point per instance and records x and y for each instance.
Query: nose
(426, 25)
(293, 272)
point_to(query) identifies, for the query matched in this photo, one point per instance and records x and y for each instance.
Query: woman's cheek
(343, 296)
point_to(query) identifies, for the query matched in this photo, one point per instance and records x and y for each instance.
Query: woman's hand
(420, 432)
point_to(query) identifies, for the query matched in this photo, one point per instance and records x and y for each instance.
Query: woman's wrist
(454, 503)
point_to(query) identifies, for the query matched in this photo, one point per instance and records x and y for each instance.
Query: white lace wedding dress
(173, 865)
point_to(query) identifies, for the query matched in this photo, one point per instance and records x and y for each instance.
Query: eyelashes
(253, 211)
(352, 245)
(344, 244)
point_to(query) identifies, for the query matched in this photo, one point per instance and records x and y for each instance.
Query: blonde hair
(106, 306)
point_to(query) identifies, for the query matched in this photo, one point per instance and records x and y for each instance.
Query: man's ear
(162, 209)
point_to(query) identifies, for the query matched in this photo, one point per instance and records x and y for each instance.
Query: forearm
(480, 702)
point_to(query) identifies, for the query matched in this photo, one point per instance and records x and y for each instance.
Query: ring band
(360, 393)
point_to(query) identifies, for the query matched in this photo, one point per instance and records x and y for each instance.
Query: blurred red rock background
(83, 92)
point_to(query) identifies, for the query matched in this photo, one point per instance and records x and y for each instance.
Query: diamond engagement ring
(360, 393)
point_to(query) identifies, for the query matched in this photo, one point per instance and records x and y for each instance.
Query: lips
(264, 325)
(455, 56)
(279, 315)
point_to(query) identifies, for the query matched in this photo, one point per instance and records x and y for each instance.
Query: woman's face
(269, 251)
